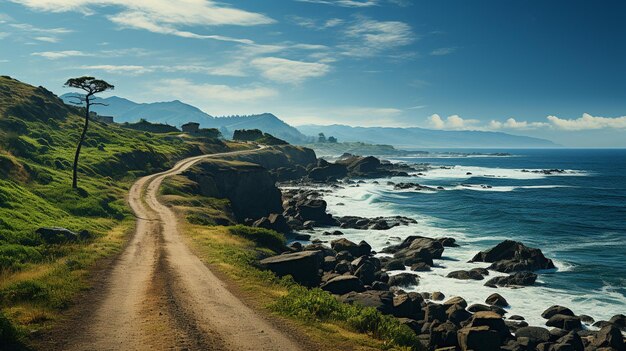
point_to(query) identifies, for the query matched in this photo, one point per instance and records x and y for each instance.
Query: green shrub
(27, 290)
(14, 256)
(319, 305)
(262, 237)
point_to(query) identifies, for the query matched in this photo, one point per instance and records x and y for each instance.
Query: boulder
(478, 338)
(512, 256)
(435, 312)
(437, 296)
(344, 244)
(328, 172)
(302, 266)
(408, 306)
(395, 265)
(611, 337)
(457, 300)
(313, 210)
(569, 342)
(556, 309)
(366, 272)
(276, 222)
(457, 314)
(491, 320)
(57, 235)
(420, 267)
(514, 280)
(443, 335)
(380, 300)
(465, 275)
(564, 322)
(536, 335)
(404, 280)
(496, 300)
(343, 284)
(619, 320)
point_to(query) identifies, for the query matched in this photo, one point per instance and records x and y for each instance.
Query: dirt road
(160, 296)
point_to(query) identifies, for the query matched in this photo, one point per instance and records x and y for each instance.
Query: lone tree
(91, 86)
(321, 138)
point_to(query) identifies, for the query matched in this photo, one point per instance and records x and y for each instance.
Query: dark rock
(457, 314)
(493, 321)
(57, 235)
(609, 336)
(380, 300)
(556, 309)
(448, 242)
(512, 256)
(408, 305)
(435, 312)
(329, 263)
(564, 322)
(343, 284)
(516, 317)
(420, 267)
(437, 296)
(366, 273)
(586, 319)
(536, 335)
(514, 280)
(557, 333)
(404, 280)
(302, 237)
(276, 222)
(325, 250)
(479, 338)
(465, 275)
(364, 248)
(344, 256)
(476, 307)
(343, 267)
(302, 266)
(443, 335)
(619, 320)
(569, 342)
(328, 172)
(411, 323)
(496, 300)
(380, 286)
(457, 300)
(313, 210)
(346, 245)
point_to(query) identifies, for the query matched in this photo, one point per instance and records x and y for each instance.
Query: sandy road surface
(160, 296)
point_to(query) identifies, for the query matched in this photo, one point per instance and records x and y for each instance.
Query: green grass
(38, 137)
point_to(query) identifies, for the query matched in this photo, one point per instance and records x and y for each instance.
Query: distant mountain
(177, 113)
(411, 138)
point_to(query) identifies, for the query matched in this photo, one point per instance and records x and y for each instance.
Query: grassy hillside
(38, 136)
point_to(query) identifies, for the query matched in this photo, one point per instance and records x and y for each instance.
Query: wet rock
(611, 337)
(457, 314)
(564, 322)
(408, 305)
(435, 312)
(586, 319)
(556, 309)
(518, 279)
(496, 300)
(493, 321)
(448, 242)
(437, 296)
(329, 264)
(366, 272)
(343, 284)
(420, 267)
(302, 266)
(444, 335)
(466, 275)
(404, 280)
(457, 300)
(346, 245)
(380, 300)
(478, 338)
(512, 256)
(619, 320)
(569, 342)
(517, 317)
(537, 335)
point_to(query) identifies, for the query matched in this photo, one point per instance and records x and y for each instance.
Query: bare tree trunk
(80, 145)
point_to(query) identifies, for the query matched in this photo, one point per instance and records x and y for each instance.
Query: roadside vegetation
(234, 251)
(38, 137)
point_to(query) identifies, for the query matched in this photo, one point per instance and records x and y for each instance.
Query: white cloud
(311, 23)
(454, 122)
(442, 51)
(184, 89)
(47, 39)
(160, 16)
(119, 69)
(512, 123)
(588, 122)
(55, 55)
(288, 71)
(344, 3)
(373, 37)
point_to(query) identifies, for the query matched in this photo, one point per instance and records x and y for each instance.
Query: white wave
(485, 187)
(466, 172)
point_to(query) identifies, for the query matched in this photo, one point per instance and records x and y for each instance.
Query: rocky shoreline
(354, 273)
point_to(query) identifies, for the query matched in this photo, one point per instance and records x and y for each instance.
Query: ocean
(577, 218)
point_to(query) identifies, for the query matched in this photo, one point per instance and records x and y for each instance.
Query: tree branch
(98, 103)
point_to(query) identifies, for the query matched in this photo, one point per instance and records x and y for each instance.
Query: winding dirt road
(160, 296)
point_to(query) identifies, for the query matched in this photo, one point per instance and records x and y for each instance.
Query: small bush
(319, 305)
(13, 256)
(27, 290)
(262, 237)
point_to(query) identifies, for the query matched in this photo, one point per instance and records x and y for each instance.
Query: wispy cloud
(55, 55)
(288, 71)
(371, 37)
(119, 69)
(314, 24)
(47, 39)
(344, 3)
(184, 89)
(442, 51)
(160, 16)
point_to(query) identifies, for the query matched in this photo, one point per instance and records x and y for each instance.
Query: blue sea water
(577, 218)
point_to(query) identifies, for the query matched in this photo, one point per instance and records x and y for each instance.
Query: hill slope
(424, 138)
(177, 113)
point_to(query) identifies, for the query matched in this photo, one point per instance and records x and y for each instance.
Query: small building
(191, 127)
(106, 119)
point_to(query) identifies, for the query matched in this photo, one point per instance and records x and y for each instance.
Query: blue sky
(554, 69)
